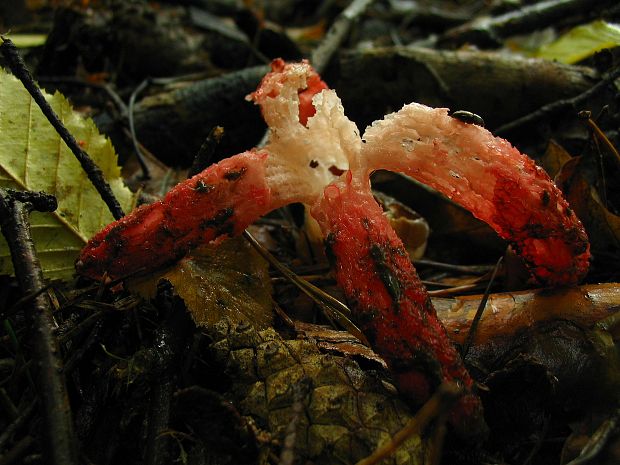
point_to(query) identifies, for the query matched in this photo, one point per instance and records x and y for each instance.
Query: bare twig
(136, 146)
(550, 109)
(40, 201)
(442, 400)
(204, 157)
(337, 33)
(600, 135)
(19, 69)
(49, 379)
(159, 415)
(474, 324)
(169, 341)
(491, 30)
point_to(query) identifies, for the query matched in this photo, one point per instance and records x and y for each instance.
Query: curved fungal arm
(389, 301)
(225, 198)
(220, 201)
(311, 144)
(488, 177)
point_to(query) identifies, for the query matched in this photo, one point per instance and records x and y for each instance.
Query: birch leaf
(34, 157)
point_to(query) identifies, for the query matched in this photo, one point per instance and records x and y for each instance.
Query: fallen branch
(322, 55)
(45, 351)
(176, 122)
(498, 88)
(489, 31)
(511, 312)
(547, 111)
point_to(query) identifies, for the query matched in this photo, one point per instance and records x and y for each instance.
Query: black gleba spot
(234, 175)
(218, 220)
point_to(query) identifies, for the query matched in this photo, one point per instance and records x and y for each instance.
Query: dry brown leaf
(224, 280)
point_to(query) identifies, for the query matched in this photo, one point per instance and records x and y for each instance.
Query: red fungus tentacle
(488, 177)
(220, 201)
(310, 143)
(389, 302)
(281, 76)
(225, 198)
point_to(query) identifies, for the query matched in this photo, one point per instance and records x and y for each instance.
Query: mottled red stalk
(389, 302)
(488, 177)
(220, 201)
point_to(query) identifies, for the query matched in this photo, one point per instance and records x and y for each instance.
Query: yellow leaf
(34, 157)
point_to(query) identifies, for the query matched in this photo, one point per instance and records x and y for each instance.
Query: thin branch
(169, 342)
(40, 201)
(204, 157)
(437, 406)
(50, 382)
(136, 146)
(19, 69)
(558, 106)
(337, 33)
(491, 30)
(598, 132)
(474, 324)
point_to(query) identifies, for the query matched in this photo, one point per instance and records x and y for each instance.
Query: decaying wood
(499, 88)
(567, 105)
(507, 313)
(371, 84)
(174, 124)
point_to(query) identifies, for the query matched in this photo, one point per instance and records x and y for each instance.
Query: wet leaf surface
(227, 280)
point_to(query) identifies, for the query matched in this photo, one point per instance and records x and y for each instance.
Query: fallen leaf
(221, 280)
(554, 158)
(27, 40)
(411, 228)
(581, 42)
(34, 157)
(602, 225)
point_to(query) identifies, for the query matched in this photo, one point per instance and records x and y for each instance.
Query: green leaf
(228, 279)
(34, 157)
(27, 40)
(582, 42)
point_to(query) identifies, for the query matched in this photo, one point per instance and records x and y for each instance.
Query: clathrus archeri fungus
(316, 156)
